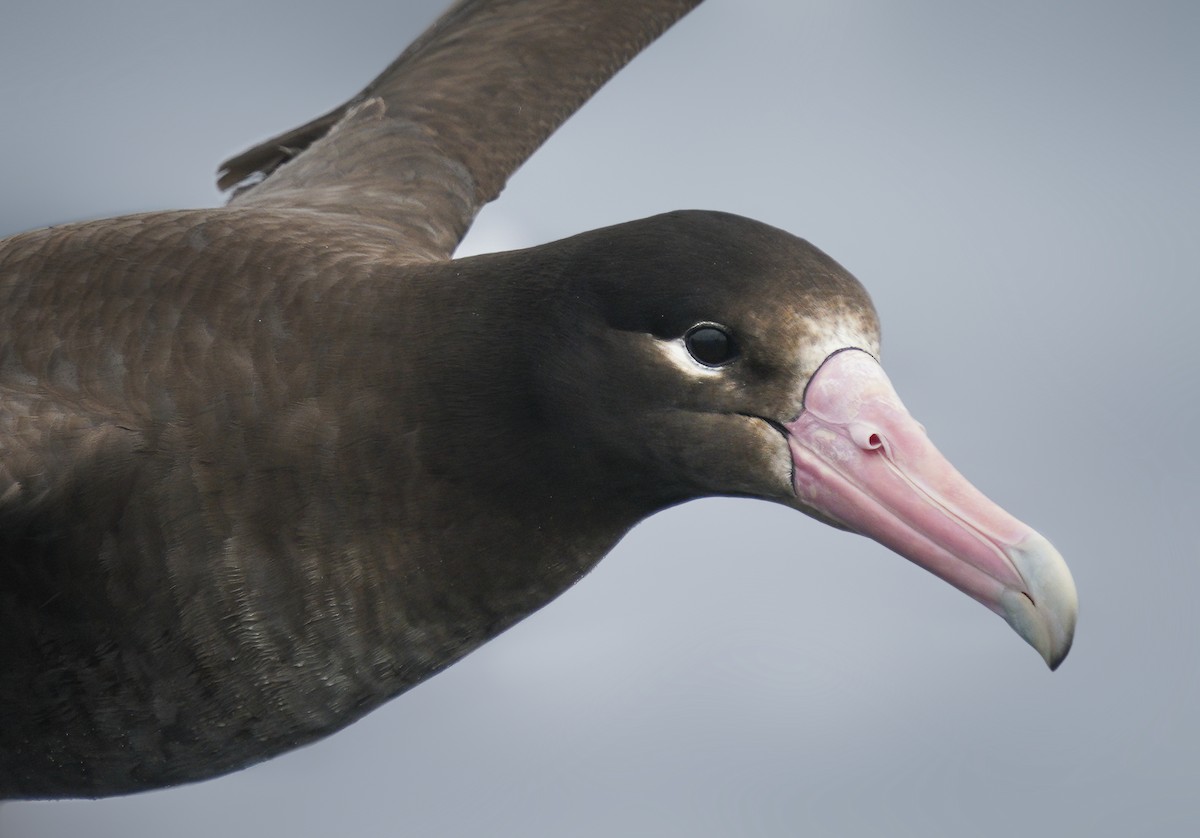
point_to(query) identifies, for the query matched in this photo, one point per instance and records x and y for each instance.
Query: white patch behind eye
(824, 336)
(677, 354)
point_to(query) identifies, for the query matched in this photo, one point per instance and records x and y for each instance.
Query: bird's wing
(438, 133)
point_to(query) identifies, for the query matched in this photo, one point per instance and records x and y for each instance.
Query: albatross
(265, 466)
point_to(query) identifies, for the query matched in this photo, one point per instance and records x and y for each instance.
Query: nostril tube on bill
(859, 458)
(867, 437)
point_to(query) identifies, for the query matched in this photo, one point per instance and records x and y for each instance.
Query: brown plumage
(265, 466)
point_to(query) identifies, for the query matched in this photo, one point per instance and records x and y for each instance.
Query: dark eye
(709, 344)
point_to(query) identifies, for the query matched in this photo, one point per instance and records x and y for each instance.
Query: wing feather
(436, 136)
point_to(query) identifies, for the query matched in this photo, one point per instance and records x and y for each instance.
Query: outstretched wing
(438, 133)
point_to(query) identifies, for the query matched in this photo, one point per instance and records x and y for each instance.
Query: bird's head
(699, 353)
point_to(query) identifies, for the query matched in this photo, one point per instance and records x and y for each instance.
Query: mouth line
(774, 423)
(961, 522)
(830, 475)
(971, 529)
(783, 432)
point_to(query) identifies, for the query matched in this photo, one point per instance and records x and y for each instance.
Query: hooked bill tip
(860, 458)
(1045, 612)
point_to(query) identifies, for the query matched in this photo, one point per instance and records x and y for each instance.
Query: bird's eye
(710, 344)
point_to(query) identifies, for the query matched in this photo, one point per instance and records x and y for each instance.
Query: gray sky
(1017, 184)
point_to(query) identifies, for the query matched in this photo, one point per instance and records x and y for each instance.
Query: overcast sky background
(1017, 184)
